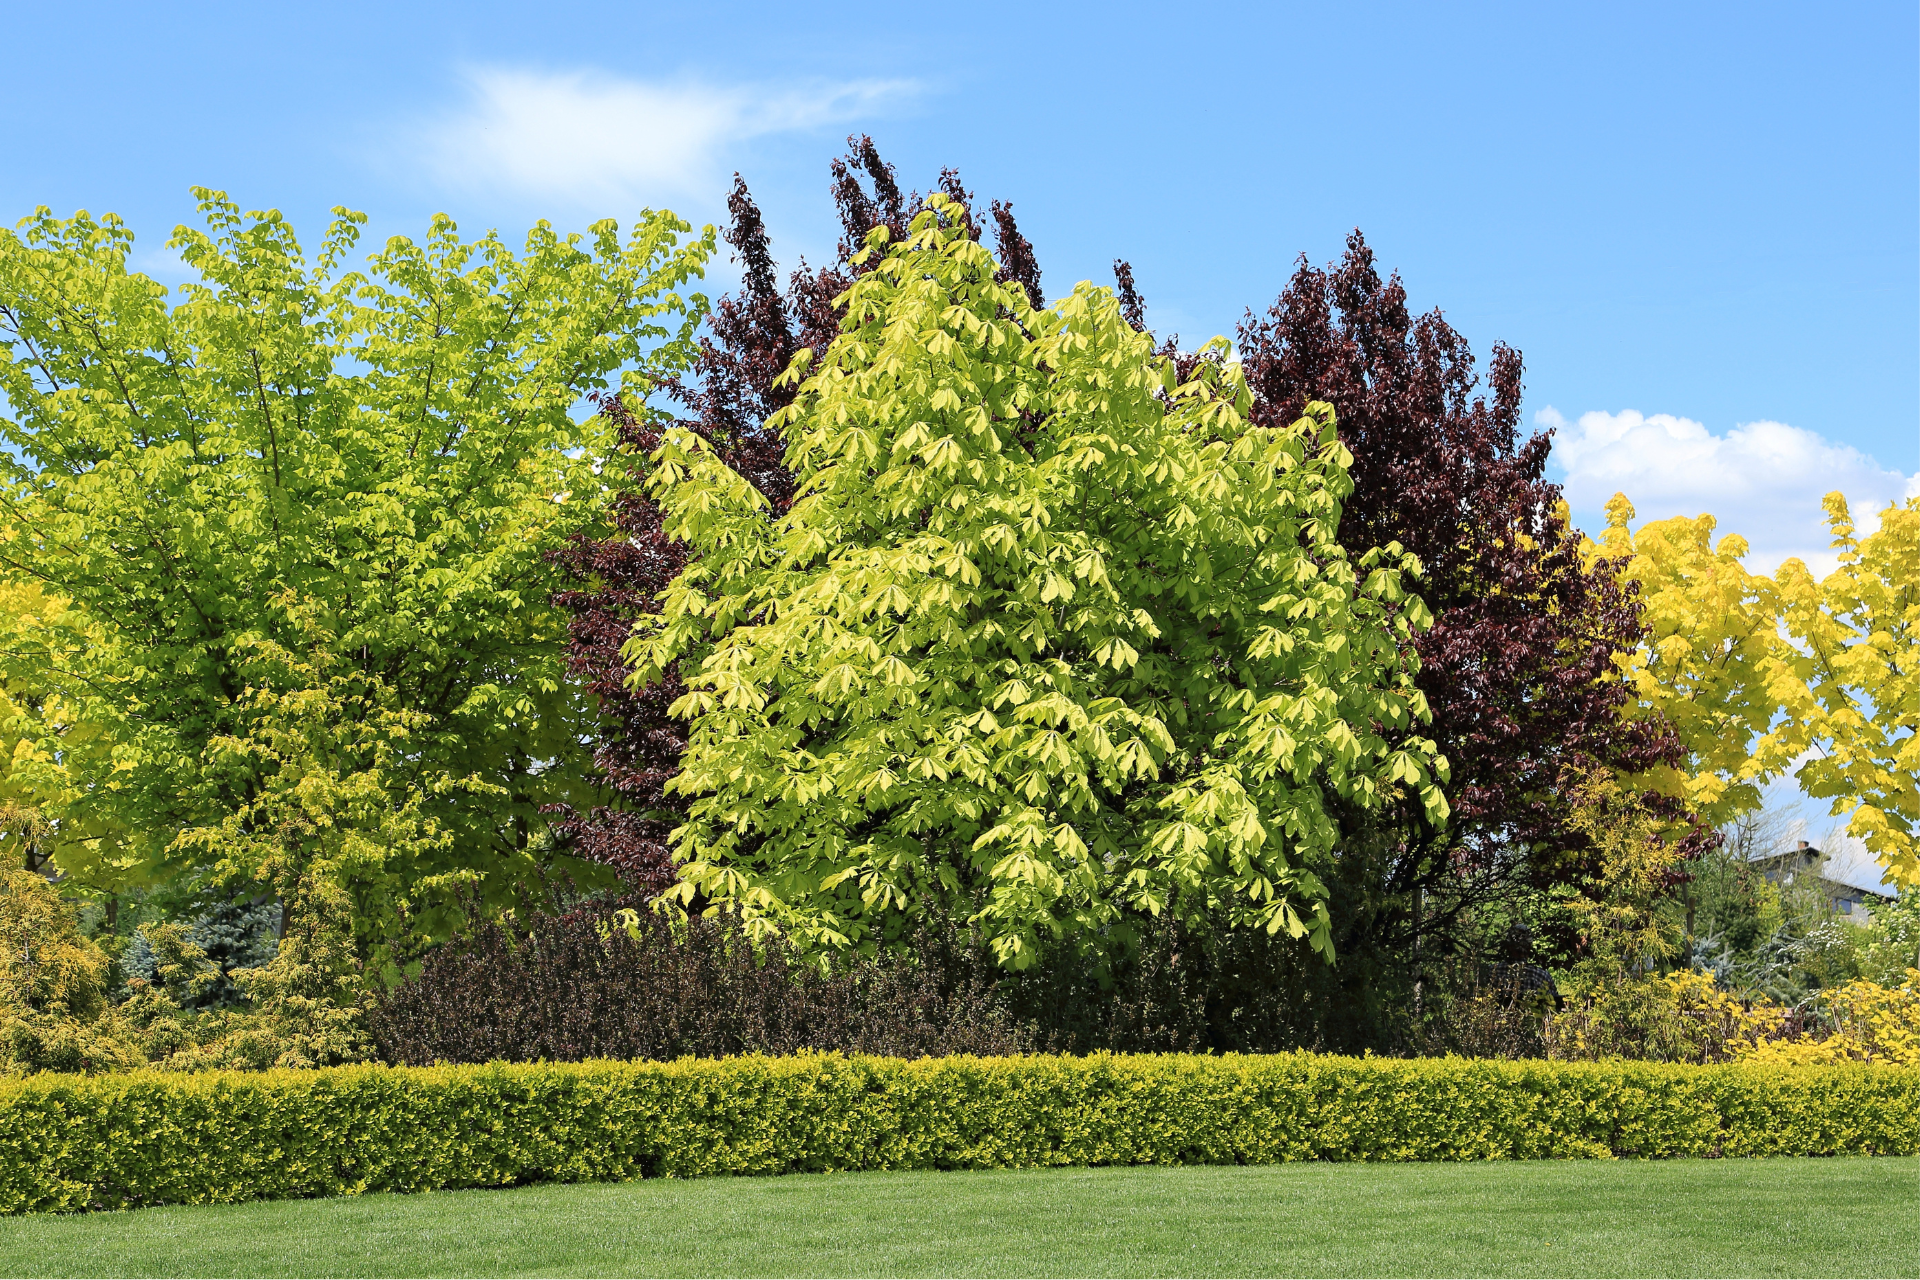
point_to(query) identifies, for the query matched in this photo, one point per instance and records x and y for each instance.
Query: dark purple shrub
(577, 985)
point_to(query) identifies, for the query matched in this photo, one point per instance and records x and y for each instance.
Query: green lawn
(1682, 1217)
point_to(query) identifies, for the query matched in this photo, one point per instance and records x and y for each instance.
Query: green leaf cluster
(1050, 634)
(308, 513)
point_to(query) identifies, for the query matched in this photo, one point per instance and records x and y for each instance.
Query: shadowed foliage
(1518, 667)
(578, 986)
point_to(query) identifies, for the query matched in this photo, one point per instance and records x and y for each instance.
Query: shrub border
(116, 1141)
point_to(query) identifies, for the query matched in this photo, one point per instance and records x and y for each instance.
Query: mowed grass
(1843, 1217)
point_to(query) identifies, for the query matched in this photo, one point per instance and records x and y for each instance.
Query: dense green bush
(70, 1142)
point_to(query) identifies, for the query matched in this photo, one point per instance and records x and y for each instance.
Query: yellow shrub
(1684, 1017)
(1872, 1024)
(1668, 1017)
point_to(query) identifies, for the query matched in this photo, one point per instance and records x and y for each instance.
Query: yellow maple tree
(1849, 682)
(1713, 631)
(1761, 677)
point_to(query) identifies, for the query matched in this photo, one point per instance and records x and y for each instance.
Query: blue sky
(1700, 223)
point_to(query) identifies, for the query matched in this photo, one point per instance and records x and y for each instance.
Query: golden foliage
(55, 1014)
(1667, 1017)
(1616, 911)
(1869, 1023)
(1713, 631)
(1760, 676)
(1850, 683)
(46, 964)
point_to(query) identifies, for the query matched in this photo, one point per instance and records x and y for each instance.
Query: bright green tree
(310, 511)
(1048, 636)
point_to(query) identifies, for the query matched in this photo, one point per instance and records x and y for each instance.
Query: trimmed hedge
(79, 1142)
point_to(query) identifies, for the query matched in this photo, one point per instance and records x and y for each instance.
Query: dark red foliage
(860, 212)
(1017, 263)
(564, 990)
(639, 745)
(728, 398)
(754, 336)
(1518, 667)
(1133, 307)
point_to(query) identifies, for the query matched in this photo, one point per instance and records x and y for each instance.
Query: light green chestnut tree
(1050, 636)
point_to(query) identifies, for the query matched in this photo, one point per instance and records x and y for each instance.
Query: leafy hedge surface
(77, 1142)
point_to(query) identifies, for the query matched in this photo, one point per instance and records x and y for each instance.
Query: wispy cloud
(588, 137)
(1762, 480)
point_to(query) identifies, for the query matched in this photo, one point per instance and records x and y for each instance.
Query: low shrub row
(568, 988)
(69, 1143)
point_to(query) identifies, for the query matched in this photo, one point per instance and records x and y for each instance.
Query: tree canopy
(1519, 665)
(883, 607)
(729, 392)
(1046, 633)
(1762, 678)
(1850, 686)
(309, 511)
(1712, 630)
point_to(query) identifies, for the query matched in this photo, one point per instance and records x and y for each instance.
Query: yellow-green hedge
(70, 1142)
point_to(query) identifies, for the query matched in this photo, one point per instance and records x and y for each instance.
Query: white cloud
(591, 137)
(1762, 480)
